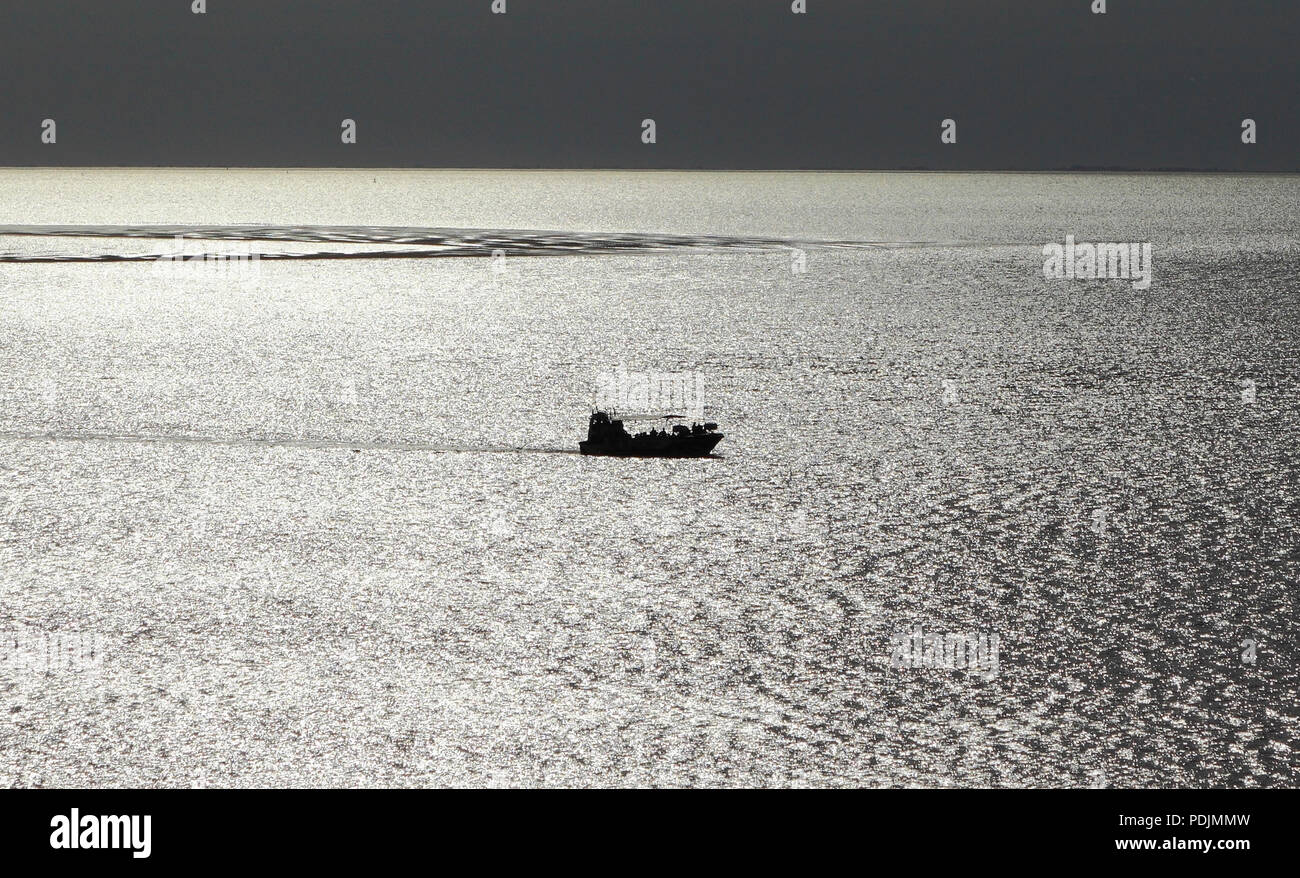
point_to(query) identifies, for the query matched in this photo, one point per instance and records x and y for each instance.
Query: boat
(607, 436)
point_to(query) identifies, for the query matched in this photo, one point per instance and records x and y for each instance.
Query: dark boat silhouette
(607, 436)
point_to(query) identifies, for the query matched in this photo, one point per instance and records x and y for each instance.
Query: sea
(315, 516)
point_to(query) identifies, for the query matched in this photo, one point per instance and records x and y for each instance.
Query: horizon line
(1073, 170)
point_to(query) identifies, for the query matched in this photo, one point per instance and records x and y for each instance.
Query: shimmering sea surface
(328, 524)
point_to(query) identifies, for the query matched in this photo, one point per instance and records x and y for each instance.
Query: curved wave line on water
(424, 242)
(286, 442)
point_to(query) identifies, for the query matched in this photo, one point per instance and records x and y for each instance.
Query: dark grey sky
(730, 83)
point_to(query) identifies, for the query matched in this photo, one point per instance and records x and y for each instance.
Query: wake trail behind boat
(284, 442)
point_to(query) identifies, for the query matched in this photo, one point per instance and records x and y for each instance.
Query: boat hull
(654, 446)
